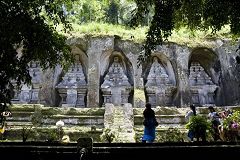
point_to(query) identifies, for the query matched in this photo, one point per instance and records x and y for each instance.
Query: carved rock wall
(168, 82)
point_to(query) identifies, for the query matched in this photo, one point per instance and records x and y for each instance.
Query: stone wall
(39, 123)
(106, 71)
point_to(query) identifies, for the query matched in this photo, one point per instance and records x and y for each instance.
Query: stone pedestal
(72, 97)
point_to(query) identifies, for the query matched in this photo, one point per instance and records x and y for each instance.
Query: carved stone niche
(29, 93)
(36, 73)
(159, 88)
(25, 95)
(17, 93)
(201, 86)
(73, 87)
(116, 87)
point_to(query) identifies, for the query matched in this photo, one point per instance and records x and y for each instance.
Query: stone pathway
(121, 122)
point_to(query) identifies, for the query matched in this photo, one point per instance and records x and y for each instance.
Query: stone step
(158, 129)
(17, 124)
(126, 137)
(163, 119)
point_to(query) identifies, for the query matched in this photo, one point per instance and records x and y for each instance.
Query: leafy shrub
(49, 135)
(26, 132)
(231, 127)
(235, 117)
(199, 125)
(37, 116)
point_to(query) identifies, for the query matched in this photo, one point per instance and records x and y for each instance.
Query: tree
(194, 14)
(112, 12)
(28, 33)
(85, 11)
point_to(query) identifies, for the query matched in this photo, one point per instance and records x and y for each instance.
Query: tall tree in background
(112, 12)
(84, 11)
(194, 14)
(125, 9)
(106, 11)
(28, 33)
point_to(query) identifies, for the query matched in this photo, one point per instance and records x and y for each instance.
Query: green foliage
(197, 123)
(86, 11)
(108, 135)
(28, 33)
(104, 29)
(50, 111)
(47, 134)
(114, 11)
(200, 127)
(231, 127)
(235, 117)
(26, 132)
(37, 116)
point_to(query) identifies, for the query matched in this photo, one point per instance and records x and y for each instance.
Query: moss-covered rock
(139, 97)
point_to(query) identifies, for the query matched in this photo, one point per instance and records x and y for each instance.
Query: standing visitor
(189, 114)
(215, 120)
(150, 123)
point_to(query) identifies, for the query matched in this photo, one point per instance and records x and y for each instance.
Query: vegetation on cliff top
(182, 36)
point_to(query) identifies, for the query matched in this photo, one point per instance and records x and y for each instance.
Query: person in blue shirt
(150, 123)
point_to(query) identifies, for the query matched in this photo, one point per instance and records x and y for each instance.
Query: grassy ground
(182, 36)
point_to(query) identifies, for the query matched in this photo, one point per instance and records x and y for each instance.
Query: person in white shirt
(189, 114)
(215, 119)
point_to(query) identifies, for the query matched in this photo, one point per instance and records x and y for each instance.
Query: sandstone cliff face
(180, 75)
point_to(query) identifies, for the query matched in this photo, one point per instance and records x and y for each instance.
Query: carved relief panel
(201, 86)
(29, 93)
(159, 88)
(73, 87)
(116, 87)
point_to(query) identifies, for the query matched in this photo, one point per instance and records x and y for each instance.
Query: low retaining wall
(114, 151)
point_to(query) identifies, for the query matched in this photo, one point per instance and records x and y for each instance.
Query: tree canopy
(109, 11)
(28, 33)
(194, 14)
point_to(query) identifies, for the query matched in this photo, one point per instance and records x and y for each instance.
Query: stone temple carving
(116, 87)
(158, 87)
(73, 87)
(29, 93)
(202, 87)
